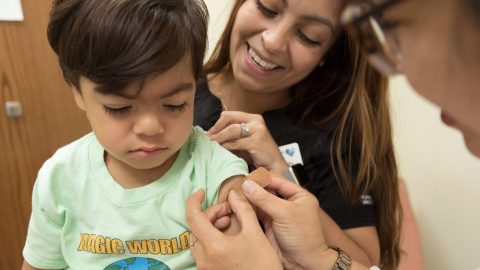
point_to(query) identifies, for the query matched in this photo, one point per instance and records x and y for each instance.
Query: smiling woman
(285, 70)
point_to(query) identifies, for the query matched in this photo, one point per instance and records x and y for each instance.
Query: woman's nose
(275, 39)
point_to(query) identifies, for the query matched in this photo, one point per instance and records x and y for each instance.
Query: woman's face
(276, 43)
(440, 45)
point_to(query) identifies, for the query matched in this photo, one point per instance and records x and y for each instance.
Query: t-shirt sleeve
(223, 165)
(324, 185)
(43, 244)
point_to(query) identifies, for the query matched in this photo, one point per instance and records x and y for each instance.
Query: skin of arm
(366, 239)
(27, 266)
(360, 243)
(230, 225)
(234, 182)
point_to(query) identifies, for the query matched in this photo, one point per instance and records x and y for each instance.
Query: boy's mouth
(148, 151)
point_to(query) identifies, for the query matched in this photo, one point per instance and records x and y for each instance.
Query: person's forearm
(335, 236)
(27, 266)
(327, 260)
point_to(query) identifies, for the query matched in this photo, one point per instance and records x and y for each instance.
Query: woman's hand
(292, 223)
(212, 249)
(257, 143)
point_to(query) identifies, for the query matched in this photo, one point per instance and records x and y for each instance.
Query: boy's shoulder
(199, 144)
(73, 152)
(205, 151)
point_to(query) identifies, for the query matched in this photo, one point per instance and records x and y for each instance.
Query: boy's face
(143, 129)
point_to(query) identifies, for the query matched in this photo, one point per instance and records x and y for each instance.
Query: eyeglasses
(362, 20)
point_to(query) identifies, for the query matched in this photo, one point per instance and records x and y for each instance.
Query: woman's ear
(322, 62)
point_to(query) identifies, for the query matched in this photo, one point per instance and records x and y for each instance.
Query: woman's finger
(219, 215)
(200, 224)
(230, 117)
(228, 133)
(262, 199)
(286, 189)
(218, 211)
(222, 223)
(245, 213)
(197, 250)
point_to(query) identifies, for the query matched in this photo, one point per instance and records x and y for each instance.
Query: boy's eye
(116, 111)
(306, 39)
(266, 11)
(176, 108)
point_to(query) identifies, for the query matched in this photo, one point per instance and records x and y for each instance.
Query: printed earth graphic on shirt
(137, 263)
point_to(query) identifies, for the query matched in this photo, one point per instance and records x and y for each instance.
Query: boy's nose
(148, 125)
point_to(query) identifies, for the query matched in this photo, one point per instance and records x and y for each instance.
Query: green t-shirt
(83, 219)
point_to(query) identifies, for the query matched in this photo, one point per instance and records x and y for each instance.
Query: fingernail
(248, 187)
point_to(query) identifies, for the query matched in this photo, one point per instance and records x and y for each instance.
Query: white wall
(219, 12)
(443, 178)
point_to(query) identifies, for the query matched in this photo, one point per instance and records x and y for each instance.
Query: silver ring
(244, 130)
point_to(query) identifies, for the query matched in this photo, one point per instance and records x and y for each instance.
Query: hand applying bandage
(221, 213)
(209, 226)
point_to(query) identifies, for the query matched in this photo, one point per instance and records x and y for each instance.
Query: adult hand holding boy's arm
(230, 224)
(295, 225)
(247, 249)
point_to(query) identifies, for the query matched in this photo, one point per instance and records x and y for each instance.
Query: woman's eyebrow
(318, 19)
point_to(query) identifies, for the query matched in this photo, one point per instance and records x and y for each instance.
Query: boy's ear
(78, 98)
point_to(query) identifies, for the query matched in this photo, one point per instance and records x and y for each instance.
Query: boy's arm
(260, 175)
(27, 266)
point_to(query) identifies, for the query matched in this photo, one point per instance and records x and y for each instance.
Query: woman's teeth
(262, 63)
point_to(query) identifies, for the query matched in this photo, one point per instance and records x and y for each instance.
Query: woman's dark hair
(116, 42)
(476, 5)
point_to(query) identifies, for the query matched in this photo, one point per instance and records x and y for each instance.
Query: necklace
(224, 107)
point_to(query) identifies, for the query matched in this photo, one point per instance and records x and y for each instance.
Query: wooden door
(29, 74)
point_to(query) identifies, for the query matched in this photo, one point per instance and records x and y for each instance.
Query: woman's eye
(117, 111)
(266, 11)
(176, 108)
(389, 25)
(306, 39)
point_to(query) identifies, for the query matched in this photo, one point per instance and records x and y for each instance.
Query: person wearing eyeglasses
(436, 44)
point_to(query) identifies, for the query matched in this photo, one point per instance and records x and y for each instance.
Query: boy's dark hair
(116, 42)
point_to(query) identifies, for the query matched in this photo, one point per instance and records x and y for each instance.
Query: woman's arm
(360, 243)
